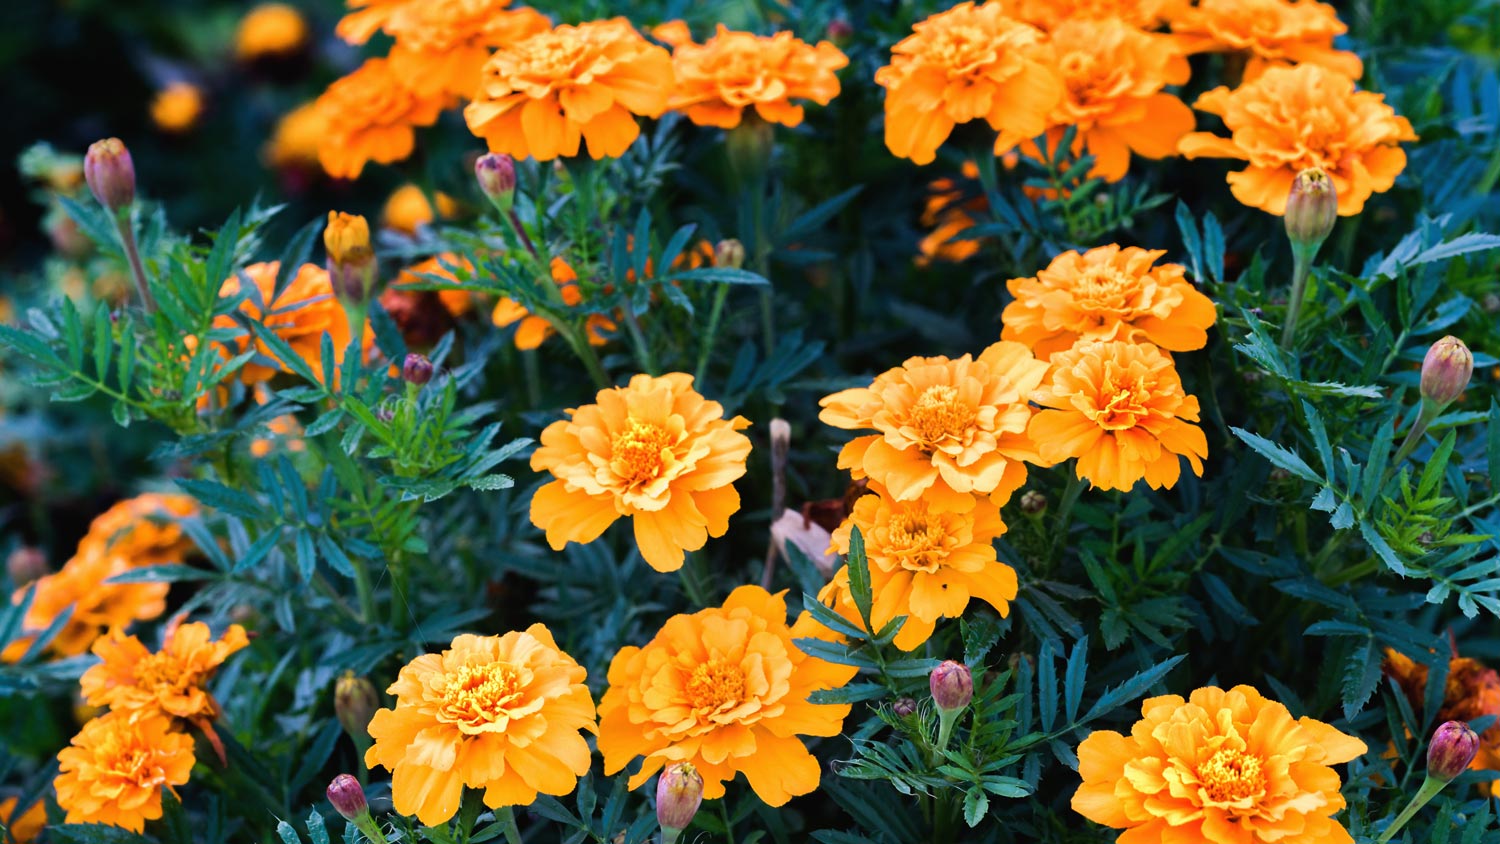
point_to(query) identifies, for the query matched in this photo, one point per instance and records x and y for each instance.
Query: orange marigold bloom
(97, 606)
(926, 565)
(948, 429)
(270, 29)
(1291, 119)
(1107, 293)
(501, 713)
(1472, 692)
(297, 137)
(366, 18)
(532, 330)
(1049, 14)
(1270, 33)
(116, 768)
(1113, 74)
(306, 310)
(673, 33)
(144, 529)
(963, 64)
(948, 212)
(539, 96)
(726, 690)
(171, 681)
(441, 45)
(732, 71)
(371, 117)
(654, 451)
(1220, 767)
(177, 107)
(457, 302)
(23, 828)
(1118, 407)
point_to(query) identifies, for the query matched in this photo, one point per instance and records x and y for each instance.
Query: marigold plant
(733, 71)
(117, 767)
(1471, 692)
(533, 330)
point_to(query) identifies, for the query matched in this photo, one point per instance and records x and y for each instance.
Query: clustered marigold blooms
(1292, 119)
(1269, 33)
(1472, 692)
(733, 71)
(539, 96)
(371, 116)
(1222, 767)
(116, 767)
(949, 430)
(964, 64)
(726, 690)
(305, 311)
(501, 713)
(533, 330)
(441, 45)
(654, 451)
(1113, 76)
(1120, 409)
(1107, 293)
(926, 565)
(172, 681)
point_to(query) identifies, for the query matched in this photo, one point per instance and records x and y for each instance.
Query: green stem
(514, 220)
(370, 828)
(638, 340)
(1065, 509)
(578, 341)
(709, 336)
(1301, 264)
(362, 589)
(1430, 788)
(691, 584)
(728, 824)
(133, 256)
(946, 719)
(1428, 413)
(506, 816)
(531, 363)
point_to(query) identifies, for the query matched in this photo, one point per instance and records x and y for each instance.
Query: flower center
(1232, 775)
(963, 49)
(916, 542)
(1124, 403)
(1103, 290)
(714, 684)
(640, 452)
(479, 695)
(939, 415)
(159, 670)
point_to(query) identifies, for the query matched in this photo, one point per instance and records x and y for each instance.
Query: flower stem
(506, 816)
(1065, 509)
(946, 719)
(133, 256)
(709, 336)
(1425, 416)
(1430, 788)
(638, 339)
(370, 828)
(1301, 265)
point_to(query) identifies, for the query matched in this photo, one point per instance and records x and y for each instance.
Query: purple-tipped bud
(1446, 371)
(348, 797)
(496, 173)
(952, 686)
(840, 31)
(417, 369)
(1311, 210)
(355, 700)
(679, 792)
(904, 707)
(729, 253)
(1451, 750)
(1034, 503)
(110, 173)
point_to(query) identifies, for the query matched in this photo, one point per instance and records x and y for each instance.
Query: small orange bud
(351, 260)
(1311, 210)
(679, 793)
(952, 686)
(1446, 371)
(110, 174)
(729, 253)
(1451, 750)
(496, 173)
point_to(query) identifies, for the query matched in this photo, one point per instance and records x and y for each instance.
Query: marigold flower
(927, 565)
(297, 137)
(23, 828)
(1471, 693)
(963, 64)
(532, 330)
(407, 209)
(305, 311)
(1270, 33)
(726, 690)
(732, 71)
(1107, 293)
(456, 302)
(371, 116)
(1049, 14)
(1113, 75)
(146, 529)
(501, 713)
(171, 681)
(1292, 119)
(367, 18)
(673, 33)
(948, 212)
(1118, 407)
(655, 452)
(1220, 767)
(116, 767)
(539, 96)
(177, 107)
(270, 29)
(441, 45)
(949, 430)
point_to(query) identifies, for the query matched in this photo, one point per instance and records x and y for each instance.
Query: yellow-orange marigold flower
(532, 330)
(673, 33)
(1113, 75)
(305, 311)
(23, 828)
(270, 29)
(1107, 293)
(457, 302)
(732, 71)
(726, 690)
(407, 209)
(654, 451)
(371, 116)
(1471, 692)
(1291, 119)
(501, 713)
(1222, 767)
(963, 64)
(538, 97)
(296, 139)
(177, 107)
(116, 767)
(171, 681)
(1049, 14)
(1118, 407)
(367, 17)
(441, 45)
(97, 605)
(926, 565)
(949, 430)
(144, 529)
(1270, 33)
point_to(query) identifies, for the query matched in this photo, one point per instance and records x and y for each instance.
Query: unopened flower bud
(679, 792)
(1451, 750)
(1491, 303)
(904, 707)
(348, 798)
(110, 174)
(729, 253)
(840, 31)
(355, 700)
(417, 369)
(351, 260)
(748, 146)
(1446, 371)
(496, 173)
(952, 686)
(1034, 503)
(1311, 210)
(26, 565)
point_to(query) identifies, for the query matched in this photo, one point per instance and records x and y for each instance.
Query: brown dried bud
(110, 174)
(1033, 503)
(952, 686)
(1451, 750)
(1446, 371)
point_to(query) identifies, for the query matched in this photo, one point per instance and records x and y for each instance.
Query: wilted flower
(110, 174)
(1446, 371)
(116, 767)
(679, 793)
(794, 529)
